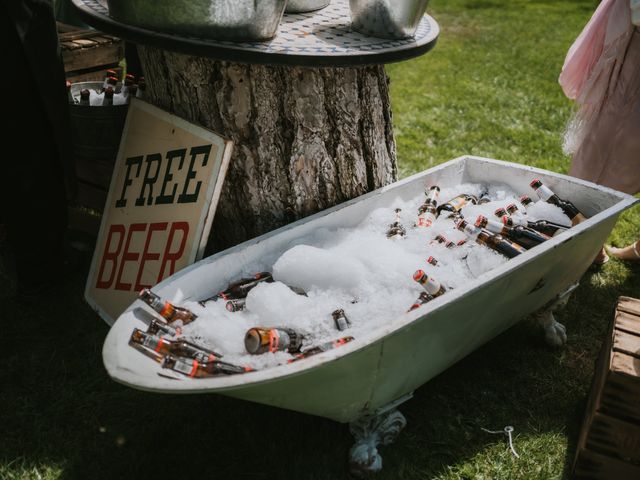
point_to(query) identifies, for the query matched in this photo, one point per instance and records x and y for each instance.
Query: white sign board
(165, 187)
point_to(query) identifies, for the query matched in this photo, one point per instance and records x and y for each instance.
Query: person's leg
(628, 253)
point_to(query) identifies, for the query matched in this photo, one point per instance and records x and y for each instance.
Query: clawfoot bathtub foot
(369, 432)
(555, 333)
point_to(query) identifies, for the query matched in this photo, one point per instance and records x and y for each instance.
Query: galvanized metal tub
(372, 371)
(387, 18)
(236, 20)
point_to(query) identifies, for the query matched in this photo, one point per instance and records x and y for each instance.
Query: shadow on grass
(60, 408)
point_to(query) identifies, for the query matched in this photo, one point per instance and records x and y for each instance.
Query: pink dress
(602, 73)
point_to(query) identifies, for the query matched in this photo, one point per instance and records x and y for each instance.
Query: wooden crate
(609, 443)
(87, 54)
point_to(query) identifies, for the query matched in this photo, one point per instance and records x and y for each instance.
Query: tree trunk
(304, 138)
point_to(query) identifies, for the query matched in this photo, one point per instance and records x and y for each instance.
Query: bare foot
(628, 253)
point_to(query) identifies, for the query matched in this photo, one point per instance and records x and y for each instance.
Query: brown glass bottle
(493, 241)
(180, 347)
(396, 230)
(340, 320)
(427, 212)
(430, 284)
(262, 340)
(236, 305)
(500, 212)
(525, 201)
(543, 226)
(197, 369)
(107, 100)
(241, 288)
(456, 204)
(324, 347)
(522, 235)
(156, 327)
(421, 300)
(433, 261)
(166, 310)
(567, 207)
(85, 97)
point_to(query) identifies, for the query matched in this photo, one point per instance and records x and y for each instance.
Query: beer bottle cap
(512, 208)
(461, 242)
(535, 183)
(461, 224)
(418, 275)
(481, 221)
(507, 220)
(525, 199)
(431, 260)
(112, 81)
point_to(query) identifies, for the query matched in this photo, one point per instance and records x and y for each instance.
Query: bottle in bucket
(526, 237)
(236, 305)
(166, 309)
(567, 207)
(340, 320)
(165, 346)
(396, 230)
(260, 340)
(543, 226)
(428, 211)
(430, 284)
(156, 327)
(324, 347)
(456, 204)
(107, 100)
(421, 300)
(493, 241)
(196, 369)
(85, 97)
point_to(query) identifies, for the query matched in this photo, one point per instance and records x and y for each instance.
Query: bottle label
(426, 219)
(544, 192)
(186, 367)
(274, 340)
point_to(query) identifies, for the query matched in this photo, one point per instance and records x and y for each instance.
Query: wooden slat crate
(87, 54)
(609, 443)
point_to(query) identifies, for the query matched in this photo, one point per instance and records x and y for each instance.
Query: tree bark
(304, 138)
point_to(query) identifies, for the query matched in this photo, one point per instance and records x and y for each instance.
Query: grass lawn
(488, 88)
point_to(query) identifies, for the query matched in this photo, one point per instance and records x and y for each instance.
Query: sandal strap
(635, 249)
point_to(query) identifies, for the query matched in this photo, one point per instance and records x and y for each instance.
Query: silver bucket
(387, 18)
(96, 130)
(236, 20)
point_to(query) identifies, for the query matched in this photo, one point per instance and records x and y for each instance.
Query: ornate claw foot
(369, 432)
(555, 333)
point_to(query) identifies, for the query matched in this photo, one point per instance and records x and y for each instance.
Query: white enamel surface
(389, 362)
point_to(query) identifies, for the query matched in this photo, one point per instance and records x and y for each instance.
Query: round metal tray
(315, 39)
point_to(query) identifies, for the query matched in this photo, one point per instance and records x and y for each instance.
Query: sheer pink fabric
(602, 73)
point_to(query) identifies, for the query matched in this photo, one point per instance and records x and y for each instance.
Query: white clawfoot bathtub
(363, 376)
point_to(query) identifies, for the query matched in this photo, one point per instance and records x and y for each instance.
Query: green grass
(488, 88)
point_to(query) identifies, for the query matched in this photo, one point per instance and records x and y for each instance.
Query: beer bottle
(525, 201)
(166, 310)
(421, 300)
(567, 207)
(430, 284)
(324, 347)
(197, 369)
(455, 204)
(236, 305)
(543, 226)
(396, 230)
(241, 288)
(158, 327)
(441, 239)
(261, 340)
(133, 91)
(526, 237)
(484, 199)
(428, 211)
(108, 74)
(180, 347)
(142, 87)
(126, 87)
(85, 97)
(511, 209)
(500, 212)
(493, 241)
(340, 319)
(107, 100)
(431, 260)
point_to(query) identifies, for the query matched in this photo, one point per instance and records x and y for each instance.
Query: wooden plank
(91, 196)
(626, 342)
(69, 46)
(84, 58)
(630, 305)
(89, 76)
(627, 322)
(85, 42)
(594, 466)
(614, 438)
(620, 395)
